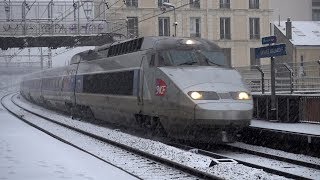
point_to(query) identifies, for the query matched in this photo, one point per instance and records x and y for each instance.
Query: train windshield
(192, 57)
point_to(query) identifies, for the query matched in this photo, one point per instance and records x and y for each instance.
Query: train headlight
(203, 95)
(195, 95)
(189, 42)
(241, 95)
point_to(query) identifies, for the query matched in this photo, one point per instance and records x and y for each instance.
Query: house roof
(304, 33)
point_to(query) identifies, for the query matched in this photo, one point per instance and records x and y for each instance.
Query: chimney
(289, 29)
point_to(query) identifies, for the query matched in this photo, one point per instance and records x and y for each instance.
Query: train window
(164, 59)
(117, 83)
(113, 52)
(139, 43)
(118, 49)
(129, 46)
(134, 45)
(182, 57)
(152, 60)
(216, 58)
(122, 48)
(110, 52)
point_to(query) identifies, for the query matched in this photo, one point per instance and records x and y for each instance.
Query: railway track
(148, 165)
(138, 163)
(269, 162)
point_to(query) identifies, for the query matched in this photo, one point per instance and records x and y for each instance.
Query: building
(316, 10)
(236, 26)
(302, 39)
(299, 10)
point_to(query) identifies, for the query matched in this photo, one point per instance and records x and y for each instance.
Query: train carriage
(180, 84)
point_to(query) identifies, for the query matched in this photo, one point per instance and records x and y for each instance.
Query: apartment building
(235, 25)
(315, 10)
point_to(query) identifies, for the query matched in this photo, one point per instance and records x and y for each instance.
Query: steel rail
(271, 156)
(222, 156)
(161, 160)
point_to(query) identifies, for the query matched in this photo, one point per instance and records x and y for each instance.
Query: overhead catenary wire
(155, 15)
(123, 26)
(120, 28)
(42, 33)
(92, 21)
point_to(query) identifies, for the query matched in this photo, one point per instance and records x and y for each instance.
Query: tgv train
(182, 85)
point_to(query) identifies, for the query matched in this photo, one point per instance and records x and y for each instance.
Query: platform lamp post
(170, 5)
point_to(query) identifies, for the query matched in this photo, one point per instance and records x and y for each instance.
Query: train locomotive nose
(223, 111)
(220, 122)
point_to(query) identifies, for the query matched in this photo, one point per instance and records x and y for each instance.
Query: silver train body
(180, 84)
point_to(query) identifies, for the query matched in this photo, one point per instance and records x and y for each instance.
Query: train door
(147, 83)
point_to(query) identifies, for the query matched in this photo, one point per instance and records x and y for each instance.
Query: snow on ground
(304, 128)
(27, 153)
(279, 153)
(227, 171)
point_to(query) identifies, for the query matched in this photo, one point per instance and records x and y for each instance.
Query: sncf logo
(161, 87)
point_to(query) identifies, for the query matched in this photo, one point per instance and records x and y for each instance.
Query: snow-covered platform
(307, 129)
(27, 153)
(291, 137)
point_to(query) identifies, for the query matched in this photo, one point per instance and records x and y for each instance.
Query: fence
(291, 77)
(289, 108)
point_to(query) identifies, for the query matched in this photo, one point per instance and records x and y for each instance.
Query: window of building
(195, 4)
(227, 54)
(195, 27)
(160, 2)
(315, 14)
(315, 3)
(132, 3)
(225, 4)
(253, 60)
(225, 28)
(164, 26)
(133, 27)
(254, 24)
(253, 4)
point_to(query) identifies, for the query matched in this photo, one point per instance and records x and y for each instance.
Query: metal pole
(175, 22)
(74, 11)
(291, 76)
(24, 6)
(273, 90)
(262, 78)
(49, 58)
(41, 58)
(78, 17)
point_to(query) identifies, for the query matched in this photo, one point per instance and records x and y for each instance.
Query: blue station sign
(271, 51)
(269, 40)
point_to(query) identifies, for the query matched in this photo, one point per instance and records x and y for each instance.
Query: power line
(92, 21)
(157, 15)
(142, 19)
(25, 15)
(52, 22)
